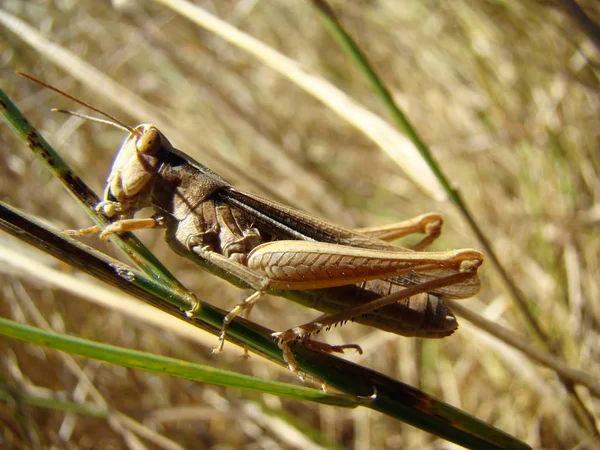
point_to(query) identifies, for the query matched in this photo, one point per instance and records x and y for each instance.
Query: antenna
(112, 120)
(93, 119)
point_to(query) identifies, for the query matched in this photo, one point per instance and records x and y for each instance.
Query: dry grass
(501, 90)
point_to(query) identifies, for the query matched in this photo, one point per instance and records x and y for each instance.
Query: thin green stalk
(52, 403)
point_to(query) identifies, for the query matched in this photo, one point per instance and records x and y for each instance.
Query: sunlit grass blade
(386, 137)
(128, 100)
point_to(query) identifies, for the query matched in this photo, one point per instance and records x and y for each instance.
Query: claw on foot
(284, 338)
(327, 348)
(191, 313)
(241, 308)
(219, 348)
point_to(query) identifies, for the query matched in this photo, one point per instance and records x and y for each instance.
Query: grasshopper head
(134, 168)
(135, 165)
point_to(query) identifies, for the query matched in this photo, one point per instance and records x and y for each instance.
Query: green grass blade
(166, 366)
(50, 403)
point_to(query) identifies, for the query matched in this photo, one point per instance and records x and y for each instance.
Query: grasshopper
(260, 244)
(348, 275)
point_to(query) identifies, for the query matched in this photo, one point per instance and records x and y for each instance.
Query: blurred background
(505, 93)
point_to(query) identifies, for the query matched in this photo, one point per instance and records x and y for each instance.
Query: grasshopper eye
(149, 141)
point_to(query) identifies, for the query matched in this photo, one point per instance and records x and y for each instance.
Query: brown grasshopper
(349, 275)
(269, 247)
